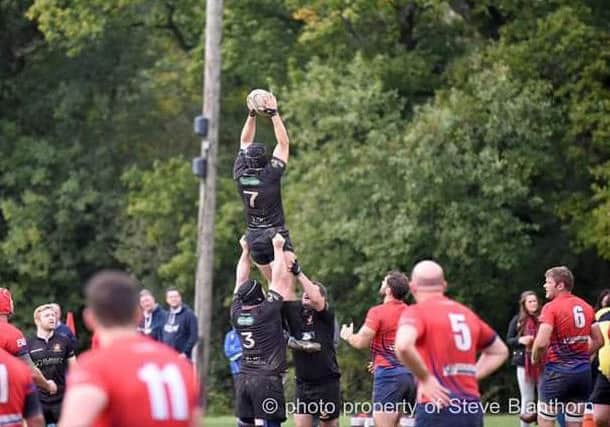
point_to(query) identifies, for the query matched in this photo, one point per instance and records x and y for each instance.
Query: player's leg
(243, 402)
(600, 397)
(578, 390)
(268, 400)
(386, 395)
(527, 389)
(329, 397)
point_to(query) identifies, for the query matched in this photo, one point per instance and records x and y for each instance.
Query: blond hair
(42, 308)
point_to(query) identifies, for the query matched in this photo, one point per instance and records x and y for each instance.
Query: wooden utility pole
(207, 187)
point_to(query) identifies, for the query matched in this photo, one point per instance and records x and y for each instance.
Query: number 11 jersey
(147, 384)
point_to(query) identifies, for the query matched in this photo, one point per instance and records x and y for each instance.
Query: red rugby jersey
(449, 335)
(12, 340)
(147, 383)
(383, 319)
(15, 385)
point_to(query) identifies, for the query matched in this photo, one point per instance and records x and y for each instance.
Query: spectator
(180, 329)
(521, 333)
(233, 352)
(153, 316)
(600, 397)
(61, 327)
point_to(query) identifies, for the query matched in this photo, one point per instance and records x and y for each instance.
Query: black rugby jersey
(260, 192)
(261, 334)
(51, 357)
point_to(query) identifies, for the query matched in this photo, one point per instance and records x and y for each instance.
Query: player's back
(147, 384)
(12, 340)
(15, 384)
(261, 193)
(571, 318)
(449, 337)
(383, 319)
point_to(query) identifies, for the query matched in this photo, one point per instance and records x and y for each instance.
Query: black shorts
(565, 387)
(51, 412)
(259, 242)
(601, 390)
(323, 400)
(260, 397)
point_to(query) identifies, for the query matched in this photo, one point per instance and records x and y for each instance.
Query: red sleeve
(547, 315)
(372, 320)
(486, 335)
(17, 344)
(410, 316)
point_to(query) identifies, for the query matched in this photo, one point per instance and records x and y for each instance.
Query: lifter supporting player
(258, 181)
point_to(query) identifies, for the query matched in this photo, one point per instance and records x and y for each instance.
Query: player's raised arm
(281, 282)
(318, 302)
(282, 149)
(249, 130)
(242, 272)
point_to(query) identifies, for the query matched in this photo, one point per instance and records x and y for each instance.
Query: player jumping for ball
(258, 180)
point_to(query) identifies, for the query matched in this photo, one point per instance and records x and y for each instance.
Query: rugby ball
(256, 100)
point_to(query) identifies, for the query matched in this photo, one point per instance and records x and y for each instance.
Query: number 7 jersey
(449, 335)
(147, 384)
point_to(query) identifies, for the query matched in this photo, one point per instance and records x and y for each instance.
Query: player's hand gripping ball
(259, 101)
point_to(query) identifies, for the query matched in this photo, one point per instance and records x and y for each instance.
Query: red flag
(70, 322)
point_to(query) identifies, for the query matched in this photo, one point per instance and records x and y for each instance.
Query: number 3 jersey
(147, 384)
(449, 335)
(260, 191)
(571, 319)
(261, 334)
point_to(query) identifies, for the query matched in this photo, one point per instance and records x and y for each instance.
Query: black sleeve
(512, 336)
(327, 314)
(239, 165)
(193, 333)
(69, 348)
(276, 168)
(235, 309)
(31, 405)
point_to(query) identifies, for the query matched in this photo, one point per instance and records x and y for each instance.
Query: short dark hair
(398, 283)
(322, 288)
(113, 297)
(561, 274)
(172, 289)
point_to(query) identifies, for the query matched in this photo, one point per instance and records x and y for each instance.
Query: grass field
(490, 421)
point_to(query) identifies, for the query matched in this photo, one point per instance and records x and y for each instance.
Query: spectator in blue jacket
(153, 316)
(180, 329)
(233, 351)
(61, 327)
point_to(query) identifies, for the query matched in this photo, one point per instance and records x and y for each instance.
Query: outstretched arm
(248, 131)
(282, 148)
(281, 282)
(242, 272)
(318, 302)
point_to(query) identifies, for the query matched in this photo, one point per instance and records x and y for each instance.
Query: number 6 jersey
(146, 383)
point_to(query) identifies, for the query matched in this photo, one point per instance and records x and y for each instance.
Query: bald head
(428, 274)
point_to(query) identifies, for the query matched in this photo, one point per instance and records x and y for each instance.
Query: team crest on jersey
(57, 348)
(245, 320)
(249, 180)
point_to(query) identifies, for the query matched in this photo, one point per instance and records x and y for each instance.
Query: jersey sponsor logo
(460, 369)
(249, 180)
(21, 342)
(245, 320)
(576, 340)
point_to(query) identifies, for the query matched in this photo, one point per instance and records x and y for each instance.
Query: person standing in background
(180, 329)
(52, 353)
(61, 327)
(153, 316)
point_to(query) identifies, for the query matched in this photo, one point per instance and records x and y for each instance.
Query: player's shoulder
(15, 365)
(9, 330)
